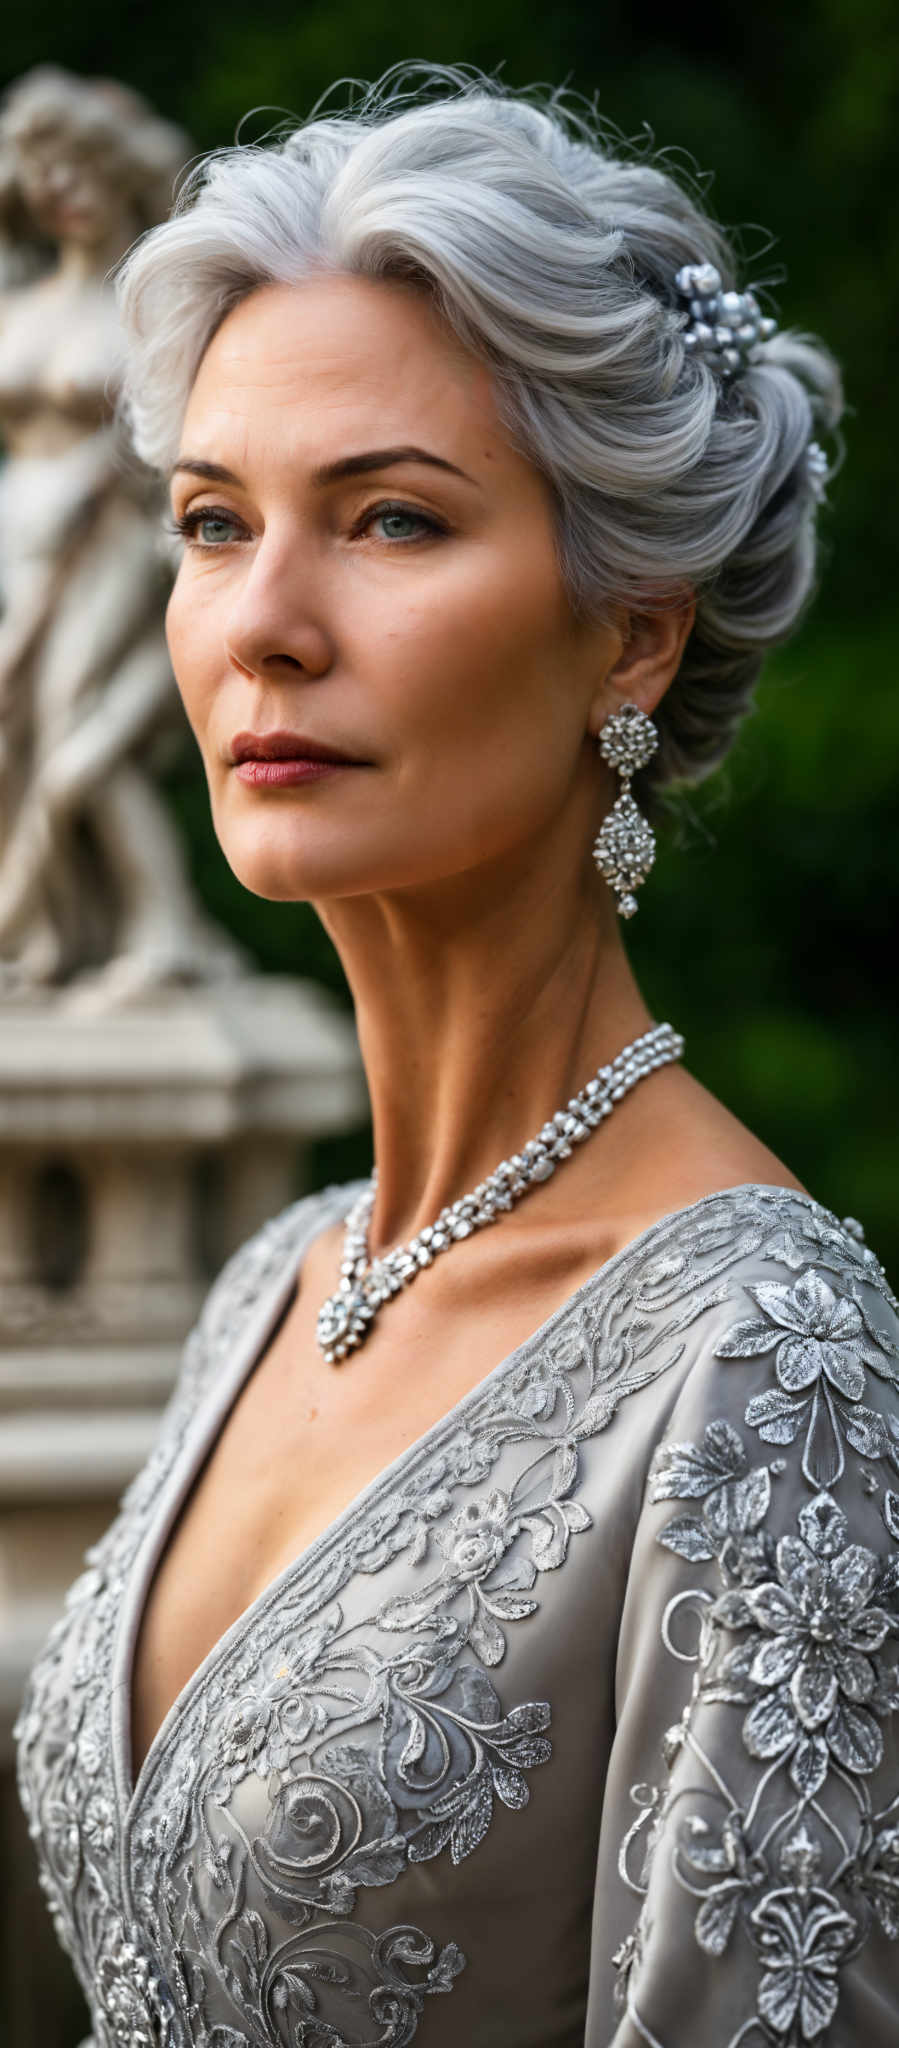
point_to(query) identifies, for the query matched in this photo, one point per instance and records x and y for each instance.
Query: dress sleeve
(747, 1891)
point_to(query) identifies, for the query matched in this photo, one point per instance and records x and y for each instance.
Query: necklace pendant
(344, 1322)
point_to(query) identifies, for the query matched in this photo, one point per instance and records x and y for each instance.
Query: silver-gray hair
(551, 250)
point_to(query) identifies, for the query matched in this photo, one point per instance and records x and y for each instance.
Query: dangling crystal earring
(626, 848)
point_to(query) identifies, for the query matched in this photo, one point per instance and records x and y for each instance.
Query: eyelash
(186, 528)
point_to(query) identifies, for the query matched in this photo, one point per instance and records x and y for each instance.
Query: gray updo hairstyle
(553, 256)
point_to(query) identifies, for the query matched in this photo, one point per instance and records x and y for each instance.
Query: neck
(81, 263)
(481, 1008)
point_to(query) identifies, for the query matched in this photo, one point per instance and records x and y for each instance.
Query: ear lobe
(651, 655)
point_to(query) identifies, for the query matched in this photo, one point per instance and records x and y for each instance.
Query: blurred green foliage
(766, 931)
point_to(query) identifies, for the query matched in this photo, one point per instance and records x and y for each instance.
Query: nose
(274, 626)
(60, 178)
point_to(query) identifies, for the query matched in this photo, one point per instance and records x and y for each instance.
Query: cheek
(488, 737)
(480, 672)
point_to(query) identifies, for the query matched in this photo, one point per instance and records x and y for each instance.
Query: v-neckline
(209, 1422)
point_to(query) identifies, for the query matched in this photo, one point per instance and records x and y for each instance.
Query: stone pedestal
(136, 1151)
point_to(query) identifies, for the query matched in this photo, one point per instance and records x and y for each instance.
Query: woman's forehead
(329, 327)
(336, 356)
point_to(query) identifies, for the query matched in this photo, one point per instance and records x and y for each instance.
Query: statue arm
(40, 584)
(22, 624)
(143, 688)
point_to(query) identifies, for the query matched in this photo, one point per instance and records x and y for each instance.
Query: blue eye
(207, 527)
(401, 522)
(396, 524)
(213, 530)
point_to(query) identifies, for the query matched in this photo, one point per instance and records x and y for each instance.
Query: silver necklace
(346, 1318)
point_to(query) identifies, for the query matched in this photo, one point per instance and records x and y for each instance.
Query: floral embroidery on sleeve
(800, 1640)
(821, 1345)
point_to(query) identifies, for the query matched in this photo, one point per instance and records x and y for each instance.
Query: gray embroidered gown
(577, 1729)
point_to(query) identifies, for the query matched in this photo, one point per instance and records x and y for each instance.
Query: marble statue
(95, 903)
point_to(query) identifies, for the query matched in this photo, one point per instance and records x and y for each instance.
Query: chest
(56, 349)
(303, 1440)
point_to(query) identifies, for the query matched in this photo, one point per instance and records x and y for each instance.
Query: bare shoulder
(684, 1145)
(716, 1144)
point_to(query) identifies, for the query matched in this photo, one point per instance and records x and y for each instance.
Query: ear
(652, 645)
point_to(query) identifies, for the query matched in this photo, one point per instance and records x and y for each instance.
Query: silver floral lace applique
(801, 1640)
(822, 1345)
(131, 2008)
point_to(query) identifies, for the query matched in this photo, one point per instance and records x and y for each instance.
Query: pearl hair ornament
(724, 327)
(817, 469)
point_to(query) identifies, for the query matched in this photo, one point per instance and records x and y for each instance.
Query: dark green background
(766, 930)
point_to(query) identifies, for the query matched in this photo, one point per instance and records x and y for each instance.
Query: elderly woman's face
(370, 574)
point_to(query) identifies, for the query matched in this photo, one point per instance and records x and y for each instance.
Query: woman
(90, 875)
(494, 1629)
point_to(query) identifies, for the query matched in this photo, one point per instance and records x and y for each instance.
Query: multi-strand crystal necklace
(346, 1318)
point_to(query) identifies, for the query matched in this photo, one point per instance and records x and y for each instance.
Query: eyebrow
(330, 472)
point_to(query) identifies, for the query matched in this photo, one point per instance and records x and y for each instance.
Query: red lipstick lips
(281, 759)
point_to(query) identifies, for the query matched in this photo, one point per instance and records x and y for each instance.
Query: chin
(286, 875)
(312, 861)
(275, 881)
(321, 874)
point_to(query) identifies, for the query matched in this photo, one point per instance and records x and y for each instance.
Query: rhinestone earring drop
(625, 848)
